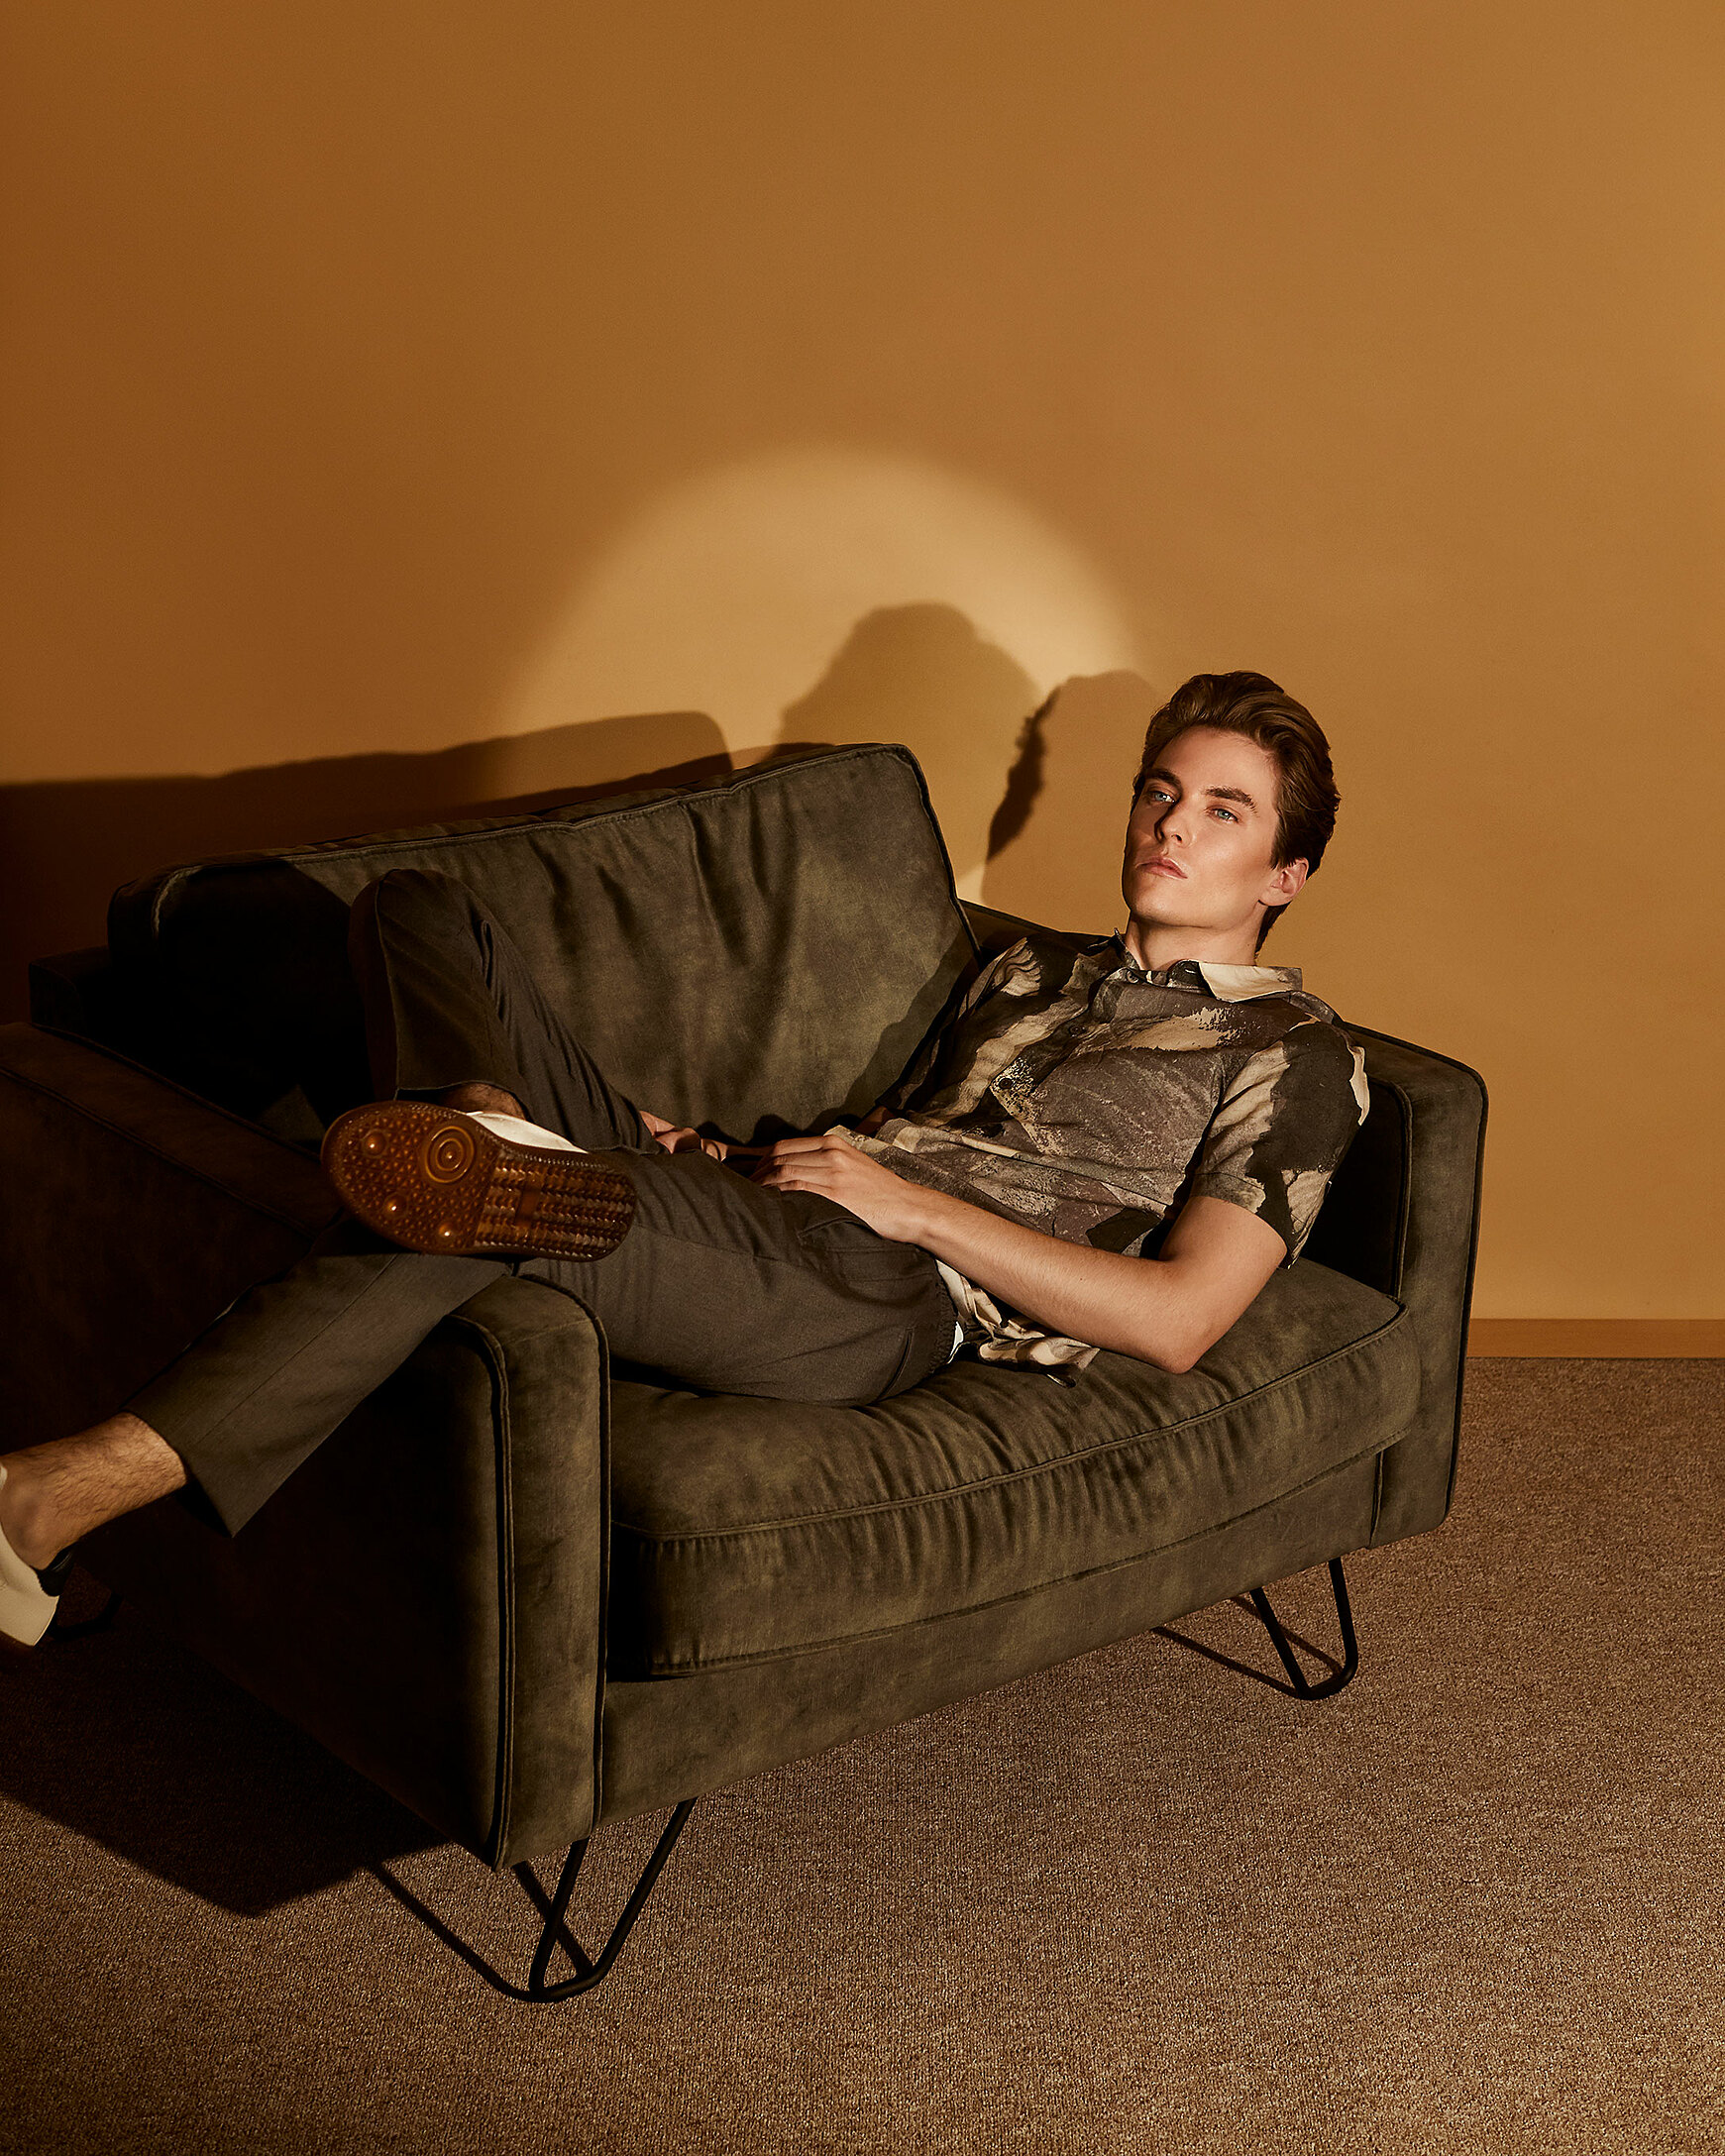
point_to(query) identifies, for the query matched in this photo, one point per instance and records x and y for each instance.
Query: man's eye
(1228, 814)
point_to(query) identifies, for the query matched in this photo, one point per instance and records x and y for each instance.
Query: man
(1109, 1146)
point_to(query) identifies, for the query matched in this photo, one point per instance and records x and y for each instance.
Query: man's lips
(1162, 866)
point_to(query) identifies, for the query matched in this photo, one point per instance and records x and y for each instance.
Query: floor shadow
(1243, 1669)
(66, 845)
(138, 1745)
(581, 1961)
(458, 1946)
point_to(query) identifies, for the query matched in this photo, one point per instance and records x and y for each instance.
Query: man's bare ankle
(481, 1099)
(27, 1514)
(55, 1493)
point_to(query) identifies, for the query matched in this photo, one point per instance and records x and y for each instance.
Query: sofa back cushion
(758, 954)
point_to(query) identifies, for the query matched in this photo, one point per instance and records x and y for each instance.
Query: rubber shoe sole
(436, 1180)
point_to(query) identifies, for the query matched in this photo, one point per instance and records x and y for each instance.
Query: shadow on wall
(1032, 798)
(1053, 848)
(922, 676)
(1031, 794)
(66, 846)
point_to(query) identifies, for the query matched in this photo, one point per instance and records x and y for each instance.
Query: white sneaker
(27, 1606)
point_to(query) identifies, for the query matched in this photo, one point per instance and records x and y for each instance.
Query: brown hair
(1252, 706)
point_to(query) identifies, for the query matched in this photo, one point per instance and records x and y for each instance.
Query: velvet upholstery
(665, 1740)
(750, 1530)
(1404, 1215)
(420, 1573)
(442, 1594)
(756, 956)
(446, 1546)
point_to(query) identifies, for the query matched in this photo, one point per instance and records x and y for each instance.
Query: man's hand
(833, 1169)
(678, 1138)
(1166, 1310)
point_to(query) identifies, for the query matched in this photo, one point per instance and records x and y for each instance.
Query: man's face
(1200, 844)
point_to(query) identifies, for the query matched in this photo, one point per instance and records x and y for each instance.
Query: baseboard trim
(1596, 1337)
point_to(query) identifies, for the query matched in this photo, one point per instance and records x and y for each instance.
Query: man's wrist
(933, 1215)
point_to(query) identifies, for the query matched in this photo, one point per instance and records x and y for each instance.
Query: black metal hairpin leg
(590, 1971)
(1297, 1677)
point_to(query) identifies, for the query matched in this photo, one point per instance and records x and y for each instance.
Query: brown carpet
(1140, 1903)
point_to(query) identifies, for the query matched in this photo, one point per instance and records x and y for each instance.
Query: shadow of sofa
(528, 1593)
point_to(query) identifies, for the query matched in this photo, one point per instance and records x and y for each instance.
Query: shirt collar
(1239, 984)
(1228, 984)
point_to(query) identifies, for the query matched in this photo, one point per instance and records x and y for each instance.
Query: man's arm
(1166, 1310)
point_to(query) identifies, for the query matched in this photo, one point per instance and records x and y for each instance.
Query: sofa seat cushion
(746, 1530)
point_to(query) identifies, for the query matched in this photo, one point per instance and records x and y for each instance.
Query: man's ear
(1284, 883)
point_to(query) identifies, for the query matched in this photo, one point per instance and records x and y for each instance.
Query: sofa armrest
(1403, 1215)
(73, 991)
(426, 1595)
(135, 1213)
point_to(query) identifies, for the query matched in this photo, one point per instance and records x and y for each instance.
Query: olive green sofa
(527, 1592)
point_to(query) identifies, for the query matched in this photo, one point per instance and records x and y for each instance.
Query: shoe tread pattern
(434, 1180)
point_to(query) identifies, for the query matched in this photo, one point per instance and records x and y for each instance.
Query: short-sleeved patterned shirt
(1077, 1094)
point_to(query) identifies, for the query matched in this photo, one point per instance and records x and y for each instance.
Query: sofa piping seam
(503, 1763)
(496, 1355)
(1022, 1595)
(1016, 1474)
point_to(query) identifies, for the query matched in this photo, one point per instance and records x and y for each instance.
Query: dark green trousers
(718, 1284)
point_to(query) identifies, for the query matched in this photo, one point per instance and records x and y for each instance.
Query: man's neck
(1154, 949)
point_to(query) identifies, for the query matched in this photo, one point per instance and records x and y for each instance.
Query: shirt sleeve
(1282, 1129)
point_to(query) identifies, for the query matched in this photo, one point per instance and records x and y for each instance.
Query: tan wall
(399, 392)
